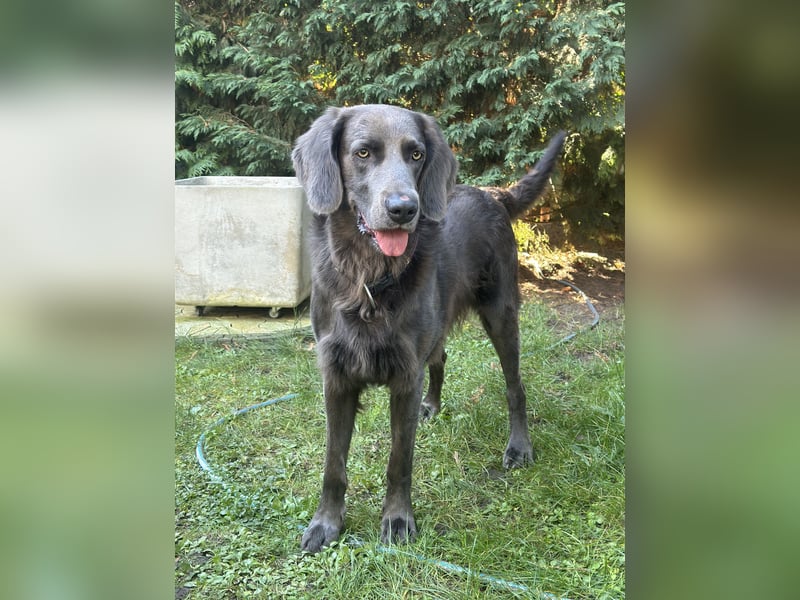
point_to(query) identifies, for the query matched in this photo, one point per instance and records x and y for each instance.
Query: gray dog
(399, 254)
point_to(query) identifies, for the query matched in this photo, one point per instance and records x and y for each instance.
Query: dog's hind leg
(340, 405)
(501, 322)
(432, 403)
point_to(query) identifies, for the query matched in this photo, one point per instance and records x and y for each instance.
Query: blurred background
(712, 251)
(86, 375)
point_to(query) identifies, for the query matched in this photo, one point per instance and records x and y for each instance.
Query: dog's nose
(401, 208)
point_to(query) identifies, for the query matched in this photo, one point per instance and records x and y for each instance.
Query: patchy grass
(557, 526)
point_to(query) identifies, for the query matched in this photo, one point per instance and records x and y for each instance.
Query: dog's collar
(377, 287)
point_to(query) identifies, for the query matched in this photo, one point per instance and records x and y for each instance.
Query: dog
(399, 254)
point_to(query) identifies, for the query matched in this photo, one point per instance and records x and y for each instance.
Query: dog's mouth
(392, 242)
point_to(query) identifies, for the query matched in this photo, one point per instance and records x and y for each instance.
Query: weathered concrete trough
(239, 241)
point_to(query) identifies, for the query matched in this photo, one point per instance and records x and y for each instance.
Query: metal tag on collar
(371, 299)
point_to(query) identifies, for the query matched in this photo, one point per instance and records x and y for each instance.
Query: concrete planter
(239, 241)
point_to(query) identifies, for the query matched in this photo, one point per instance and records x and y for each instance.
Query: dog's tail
(519, 197)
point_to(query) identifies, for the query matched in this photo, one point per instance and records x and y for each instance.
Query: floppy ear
(439, 172)
(316, 162)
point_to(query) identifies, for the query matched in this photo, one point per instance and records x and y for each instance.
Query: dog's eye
(363, 153)
(416, 155)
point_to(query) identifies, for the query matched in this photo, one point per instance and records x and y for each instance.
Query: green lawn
(555, 527)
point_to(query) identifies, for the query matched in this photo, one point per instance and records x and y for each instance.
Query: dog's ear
(316, 162)
(438, 175)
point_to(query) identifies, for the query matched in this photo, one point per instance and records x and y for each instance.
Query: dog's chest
(368, 353)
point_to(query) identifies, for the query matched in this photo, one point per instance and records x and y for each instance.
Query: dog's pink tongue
(392, 242)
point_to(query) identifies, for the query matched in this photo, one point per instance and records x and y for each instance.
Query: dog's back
(479, 250)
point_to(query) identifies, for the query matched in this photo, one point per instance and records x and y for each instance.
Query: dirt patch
(601, 278)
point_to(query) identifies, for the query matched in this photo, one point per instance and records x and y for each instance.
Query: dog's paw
(428, 410)
(318, 535)
(398, 529)
(515, 458)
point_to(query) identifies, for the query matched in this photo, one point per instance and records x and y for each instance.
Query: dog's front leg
(340, 410)
(398, 523)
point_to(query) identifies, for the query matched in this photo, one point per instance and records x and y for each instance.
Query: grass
(556, 527)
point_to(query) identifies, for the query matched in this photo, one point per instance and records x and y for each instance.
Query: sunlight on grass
(557, 526)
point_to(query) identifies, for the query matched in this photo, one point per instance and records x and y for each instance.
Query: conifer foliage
(500, 76)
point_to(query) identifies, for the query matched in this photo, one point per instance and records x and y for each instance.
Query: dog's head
(390, 165)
